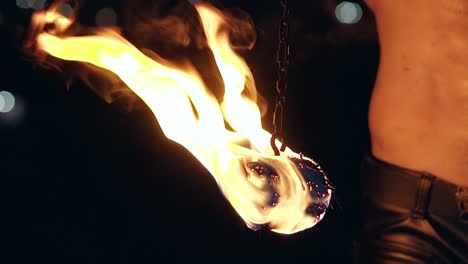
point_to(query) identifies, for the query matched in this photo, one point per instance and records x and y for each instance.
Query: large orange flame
(262, 188)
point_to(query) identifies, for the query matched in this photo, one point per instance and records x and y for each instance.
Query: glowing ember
(288, 192)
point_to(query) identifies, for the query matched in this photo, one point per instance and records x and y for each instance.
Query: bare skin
(418, 115)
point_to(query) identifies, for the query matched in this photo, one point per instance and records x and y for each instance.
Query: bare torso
(418, 115)
(419, 109)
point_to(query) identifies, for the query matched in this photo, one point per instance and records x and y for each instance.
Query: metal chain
(282, 58)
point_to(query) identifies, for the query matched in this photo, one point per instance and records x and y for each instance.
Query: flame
(264, 189)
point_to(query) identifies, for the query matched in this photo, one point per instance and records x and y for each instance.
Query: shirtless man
(415, 181)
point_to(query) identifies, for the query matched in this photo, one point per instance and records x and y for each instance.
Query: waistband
(421, 193)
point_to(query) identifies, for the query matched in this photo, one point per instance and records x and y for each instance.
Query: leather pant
(411, 217)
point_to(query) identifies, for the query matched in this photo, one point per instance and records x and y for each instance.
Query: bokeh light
(66, 10)
(23, 3)
(348, 12)
(106, 17)
(34, 4)
(8, 102)
(13, 111)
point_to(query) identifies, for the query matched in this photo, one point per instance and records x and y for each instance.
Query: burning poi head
(289, 192)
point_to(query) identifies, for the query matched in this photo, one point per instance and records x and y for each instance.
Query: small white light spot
(9, 102)
(66, 10)
(22, 3)
(35, 4)
(106, 17)
(348, 12)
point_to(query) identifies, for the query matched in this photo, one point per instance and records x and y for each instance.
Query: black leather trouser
(411, 217)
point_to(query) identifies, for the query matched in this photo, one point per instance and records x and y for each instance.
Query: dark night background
(85, 181)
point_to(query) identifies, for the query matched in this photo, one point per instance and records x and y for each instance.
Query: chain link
(282, 58)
